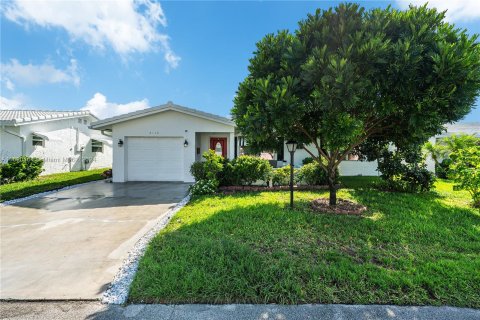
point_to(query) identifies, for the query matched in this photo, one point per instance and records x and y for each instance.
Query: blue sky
(117, 57)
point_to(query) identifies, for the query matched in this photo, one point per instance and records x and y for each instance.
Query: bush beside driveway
(46, 183)
(248, 248)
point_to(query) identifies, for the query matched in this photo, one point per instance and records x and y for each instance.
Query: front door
(219, 145)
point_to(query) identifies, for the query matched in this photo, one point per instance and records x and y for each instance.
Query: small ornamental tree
(349, 79)
(465, 170)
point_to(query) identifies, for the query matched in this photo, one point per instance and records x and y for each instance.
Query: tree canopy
(349, 78)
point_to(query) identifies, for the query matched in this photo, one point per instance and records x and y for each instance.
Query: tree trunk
(331, 186)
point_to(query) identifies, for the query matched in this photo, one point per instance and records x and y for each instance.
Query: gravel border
(46, 193)
(117, 292)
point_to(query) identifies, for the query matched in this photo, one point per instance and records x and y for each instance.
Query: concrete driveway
(70, 244)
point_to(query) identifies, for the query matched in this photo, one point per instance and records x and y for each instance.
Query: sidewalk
(94, 310)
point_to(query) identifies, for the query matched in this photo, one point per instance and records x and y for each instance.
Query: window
(80, 121)
(37, 141)
(97, 146)
(85, 122)
(218, 149)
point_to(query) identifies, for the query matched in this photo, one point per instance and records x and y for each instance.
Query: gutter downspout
(22, 138)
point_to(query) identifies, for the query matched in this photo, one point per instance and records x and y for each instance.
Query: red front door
(219, 145)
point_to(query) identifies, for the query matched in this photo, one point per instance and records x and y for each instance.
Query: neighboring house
(161, 143)
(62, 139)
(351, 166)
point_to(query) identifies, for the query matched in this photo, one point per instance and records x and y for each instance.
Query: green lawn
(47, 183)
(247, 248)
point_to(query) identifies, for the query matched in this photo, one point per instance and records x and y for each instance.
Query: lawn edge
(117, 292)
(46, 193)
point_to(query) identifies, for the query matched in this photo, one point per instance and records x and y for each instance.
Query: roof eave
(107, 123)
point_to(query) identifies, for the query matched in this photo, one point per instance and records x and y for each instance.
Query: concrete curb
(98, 311)
(46, 193)
(117, 293)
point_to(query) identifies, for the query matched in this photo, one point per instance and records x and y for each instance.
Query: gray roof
(18, 117)
(165, 107)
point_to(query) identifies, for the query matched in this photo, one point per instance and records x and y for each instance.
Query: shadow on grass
(255, 251)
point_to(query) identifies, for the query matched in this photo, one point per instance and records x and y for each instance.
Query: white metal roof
(103, 124)
(19, 117)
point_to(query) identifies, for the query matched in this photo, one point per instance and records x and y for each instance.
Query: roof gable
(101, 124)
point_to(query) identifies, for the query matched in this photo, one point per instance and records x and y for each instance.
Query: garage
(161, 143)
(154, 159)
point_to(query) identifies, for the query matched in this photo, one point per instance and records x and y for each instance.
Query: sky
(117, 57)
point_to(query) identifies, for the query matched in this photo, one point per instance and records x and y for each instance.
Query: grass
(248, 248)
(47, 183)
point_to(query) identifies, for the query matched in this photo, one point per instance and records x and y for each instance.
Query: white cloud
(6, 103)
(127, 26)
(14, 72)
(457, 10)
(100, 107)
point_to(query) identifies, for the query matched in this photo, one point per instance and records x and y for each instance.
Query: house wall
(346, 168)
(164, 124)
(10, 145)
(61, 152)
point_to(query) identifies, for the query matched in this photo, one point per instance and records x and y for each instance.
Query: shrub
(405, 171)
(248, 169)
(227, 176)
(281, 176)
(209, 169)
(307, 160)
(197, 169)
(442, 169)
(465, 170)
(313, 174)
(203, 187)
(107, 174)
(21, 169)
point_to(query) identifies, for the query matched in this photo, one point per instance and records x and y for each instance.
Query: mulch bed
(342, 207)
(234, 189)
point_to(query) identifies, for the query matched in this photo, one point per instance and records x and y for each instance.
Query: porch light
(185, 144)
(120, 143)
(291, 145)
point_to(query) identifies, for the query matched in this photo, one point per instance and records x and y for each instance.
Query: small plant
(307, 160)
(203, 187)
(405, 171)
(312, 174)
(248, 169)
(281, 176)
(465, 170)
(21, 169)
(209, 168)
(107, 174)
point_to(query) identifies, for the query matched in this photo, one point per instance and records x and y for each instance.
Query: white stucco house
(62, 139)
(161, 143)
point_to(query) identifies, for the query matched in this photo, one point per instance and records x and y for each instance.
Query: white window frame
(38, 141)
(97, 146)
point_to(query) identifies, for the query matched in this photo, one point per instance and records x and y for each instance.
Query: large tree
(348, 78)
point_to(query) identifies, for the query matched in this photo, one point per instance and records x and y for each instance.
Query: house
(161, 143)
(62, 139)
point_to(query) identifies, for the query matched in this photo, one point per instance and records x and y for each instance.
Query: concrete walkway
(97, 311)
(70, 244)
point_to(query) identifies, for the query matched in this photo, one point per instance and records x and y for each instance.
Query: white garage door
(154, 159)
